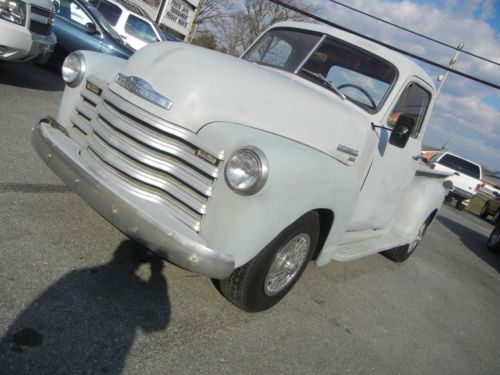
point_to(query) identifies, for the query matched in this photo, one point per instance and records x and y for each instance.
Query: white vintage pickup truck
(305, 148)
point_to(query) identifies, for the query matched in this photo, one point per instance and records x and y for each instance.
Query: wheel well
(325, 224)
(431, 217)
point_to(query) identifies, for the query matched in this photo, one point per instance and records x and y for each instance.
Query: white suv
(466, 177)
(130, 21)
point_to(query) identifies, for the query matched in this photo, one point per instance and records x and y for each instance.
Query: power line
(423, 59)
(412, 32)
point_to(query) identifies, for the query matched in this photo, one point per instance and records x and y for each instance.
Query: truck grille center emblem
(141, 88)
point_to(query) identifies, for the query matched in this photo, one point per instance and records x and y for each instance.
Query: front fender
(300, 179)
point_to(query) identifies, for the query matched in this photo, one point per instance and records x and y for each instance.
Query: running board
(356, 247)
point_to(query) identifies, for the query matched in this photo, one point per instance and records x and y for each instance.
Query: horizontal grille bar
(143, 191)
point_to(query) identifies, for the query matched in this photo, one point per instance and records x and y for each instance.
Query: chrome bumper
(156, 229)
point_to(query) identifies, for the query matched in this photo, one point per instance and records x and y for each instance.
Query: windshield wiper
(323, 79)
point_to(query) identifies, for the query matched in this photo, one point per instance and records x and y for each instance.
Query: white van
(130, 21)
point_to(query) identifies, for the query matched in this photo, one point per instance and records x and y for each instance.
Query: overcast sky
(467, 114)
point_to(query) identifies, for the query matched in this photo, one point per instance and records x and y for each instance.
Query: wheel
(485, 211)
(401, 253)
(266, 279)
(494, 240)
(496, 217)
(458, 205)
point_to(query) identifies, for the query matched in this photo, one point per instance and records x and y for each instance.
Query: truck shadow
(87, 321)
(473, 240)
(31, 76)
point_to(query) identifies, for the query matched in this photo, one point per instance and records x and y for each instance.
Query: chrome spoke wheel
(287, 264)
(417, 240)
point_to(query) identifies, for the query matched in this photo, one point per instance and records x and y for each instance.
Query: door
(70, 27)
(392, 168)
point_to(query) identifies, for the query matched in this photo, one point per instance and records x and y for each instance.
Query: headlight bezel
(22, 8)
(81, 71)
(261, 180)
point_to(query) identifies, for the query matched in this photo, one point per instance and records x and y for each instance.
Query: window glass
(363, 78)
(110, 11)
(71, 11)
(283, 49)
(140, 29)
(460, 165)
(413, 103)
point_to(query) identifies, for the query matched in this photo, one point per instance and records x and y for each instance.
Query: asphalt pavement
(77, 297)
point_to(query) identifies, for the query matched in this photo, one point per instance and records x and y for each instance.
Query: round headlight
(73, 69)
(246, 171)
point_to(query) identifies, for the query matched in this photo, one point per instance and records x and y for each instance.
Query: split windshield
(361, 77)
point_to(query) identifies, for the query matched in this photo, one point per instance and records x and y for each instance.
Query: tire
(252, 288)
(496, 217)
(485, 211)
(494, 240)
(459, 206)
(401, 253)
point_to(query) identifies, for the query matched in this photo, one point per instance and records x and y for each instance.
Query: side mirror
(402, 131)
(91, 28)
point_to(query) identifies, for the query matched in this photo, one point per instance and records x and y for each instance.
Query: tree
(236, 24)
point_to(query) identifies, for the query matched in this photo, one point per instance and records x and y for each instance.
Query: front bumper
(17, 43)
(156, 229)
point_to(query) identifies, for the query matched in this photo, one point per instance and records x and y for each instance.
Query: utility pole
(442, 77)
(194, 25)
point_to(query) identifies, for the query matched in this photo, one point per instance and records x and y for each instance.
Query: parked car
(494, 239)
(131, 22)
(245, 169)
(466, 176)
(491, 207)
(26, 30)
(79, 26)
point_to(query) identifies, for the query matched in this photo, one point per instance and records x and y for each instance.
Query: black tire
(496, 217)
(401, 253)
(484, 211)
(458, 205)
(245, 287)
(494, 240)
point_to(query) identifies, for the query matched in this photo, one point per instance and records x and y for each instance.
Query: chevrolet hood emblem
(141, 88)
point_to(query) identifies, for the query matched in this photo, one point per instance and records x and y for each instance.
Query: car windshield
(460, 165)
(351, 72)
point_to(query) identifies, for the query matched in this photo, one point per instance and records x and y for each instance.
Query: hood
(206, 86)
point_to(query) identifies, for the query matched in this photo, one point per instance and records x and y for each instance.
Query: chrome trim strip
(151, 158)
(148, 177)
(157, 141)
(160, 124)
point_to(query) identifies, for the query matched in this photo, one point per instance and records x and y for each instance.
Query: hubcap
(287, 264)
(417, 240)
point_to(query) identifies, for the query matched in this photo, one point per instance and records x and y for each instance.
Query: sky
(466, 115)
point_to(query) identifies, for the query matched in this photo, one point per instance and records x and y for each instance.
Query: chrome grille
(154, 158)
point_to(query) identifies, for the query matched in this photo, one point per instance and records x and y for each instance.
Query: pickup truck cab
(26, 30)
(243, 170)
(465, 175)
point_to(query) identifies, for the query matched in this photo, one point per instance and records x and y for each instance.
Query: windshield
(461, 165)
(361, 77)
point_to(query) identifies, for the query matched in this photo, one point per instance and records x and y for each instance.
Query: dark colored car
(80, 26)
